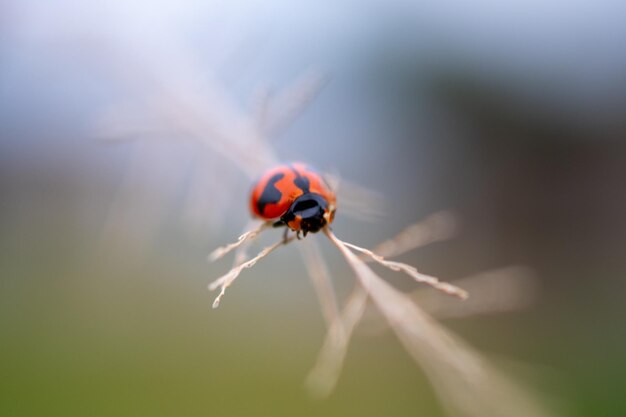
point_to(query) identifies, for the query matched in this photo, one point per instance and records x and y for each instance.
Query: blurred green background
(511, 115)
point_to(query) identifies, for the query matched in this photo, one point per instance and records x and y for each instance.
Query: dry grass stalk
(412, 272)
(464, 382)
(496, 291)
(460, 377)
(259, 105)
(285, 107)
(320, 278)
(436, 227)
(357, 201)
(227, 279)
(324, 376)
(249, 235)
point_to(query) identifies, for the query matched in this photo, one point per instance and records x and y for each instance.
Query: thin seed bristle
(462, 379)
(496, 291)
(223, 250)
(320, 278)
(434, 228)
(411, 271)
(324, 376)
(227, 279)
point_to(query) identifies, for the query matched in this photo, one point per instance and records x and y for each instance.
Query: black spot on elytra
(270, 194)
(301, 182)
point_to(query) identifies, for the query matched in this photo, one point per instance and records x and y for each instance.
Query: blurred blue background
(513, 115)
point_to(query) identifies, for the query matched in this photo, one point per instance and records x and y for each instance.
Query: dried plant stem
(411, 271)
(223, 250)
(259, 103)
(464, 382)
(241, 253)
(286, 106)
(320, 278)
(325, 374)
(357, 201)
(226, 280)
(434, 228)
(496, 291)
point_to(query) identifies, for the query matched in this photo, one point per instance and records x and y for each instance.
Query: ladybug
(295, 196)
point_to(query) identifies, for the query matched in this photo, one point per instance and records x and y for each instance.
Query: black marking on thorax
(270, 194)
(310, 208)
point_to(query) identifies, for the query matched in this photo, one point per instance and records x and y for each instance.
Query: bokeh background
(511, 114)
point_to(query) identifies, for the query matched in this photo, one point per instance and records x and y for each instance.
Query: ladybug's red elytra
(294, 195)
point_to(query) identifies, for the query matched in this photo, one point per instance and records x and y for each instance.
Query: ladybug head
(308, 213)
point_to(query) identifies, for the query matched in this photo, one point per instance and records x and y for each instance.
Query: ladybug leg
(285, 235)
